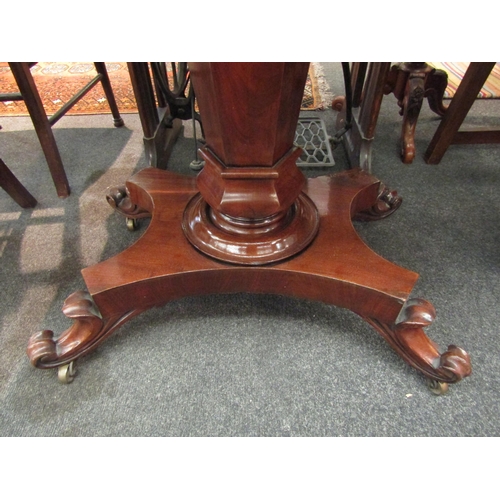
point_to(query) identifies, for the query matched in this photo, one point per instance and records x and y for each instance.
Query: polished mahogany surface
(251, 209)
(336, 261)
(251, 222)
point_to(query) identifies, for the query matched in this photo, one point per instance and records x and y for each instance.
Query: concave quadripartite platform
(336, 267)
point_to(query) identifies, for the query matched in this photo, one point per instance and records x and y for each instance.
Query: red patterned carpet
(57, 82)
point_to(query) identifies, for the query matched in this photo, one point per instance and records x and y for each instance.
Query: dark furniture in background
(410, 83)
(163, 102)
(368, 82)
(449, 131)
(12, 186)
(42, 123)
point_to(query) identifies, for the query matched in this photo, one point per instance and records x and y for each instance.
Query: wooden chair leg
(467, 92)
(12, 186)
(31, 97)
(108, 91)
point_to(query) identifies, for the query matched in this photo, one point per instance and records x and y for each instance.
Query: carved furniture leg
(408, 339)
(163, 266)
(411, 83)
(412, 103)
(435, 87)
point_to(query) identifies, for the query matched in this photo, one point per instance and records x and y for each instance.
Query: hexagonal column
(250, 209)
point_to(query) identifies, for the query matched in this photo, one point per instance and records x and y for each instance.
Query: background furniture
(43, 124)
(162, 102)
(368, 82)
(449, 131)
(411, 83)
(10, 183)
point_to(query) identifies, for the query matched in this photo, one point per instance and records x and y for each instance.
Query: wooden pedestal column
(251, 209)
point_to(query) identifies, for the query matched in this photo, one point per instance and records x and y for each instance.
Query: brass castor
(132, 224)
(66, 373)
(437, 387)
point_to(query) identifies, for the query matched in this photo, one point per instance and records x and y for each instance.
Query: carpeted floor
(246, 365)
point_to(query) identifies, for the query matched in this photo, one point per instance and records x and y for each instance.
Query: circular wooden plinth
(242, 241)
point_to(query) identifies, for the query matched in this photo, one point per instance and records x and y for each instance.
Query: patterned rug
(456, 71)
(57, 82)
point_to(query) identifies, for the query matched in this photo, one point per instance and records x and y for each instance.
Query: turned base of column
(250, 215)
(250, 241)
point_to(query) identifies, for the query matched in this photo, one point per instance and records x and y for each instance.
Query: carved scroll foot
(408, 339)
(119, 199)
(89, 329)
(386, 204)
(338, 103)
(435, 87)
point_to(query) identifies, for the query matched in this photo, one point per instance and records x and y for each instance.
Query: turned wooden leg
(108, 91)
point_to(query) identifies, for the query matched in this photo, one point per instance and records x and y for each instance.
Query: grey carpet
(248, 365)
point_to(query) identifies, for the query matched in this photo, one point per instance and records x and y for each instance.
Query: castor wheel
(437, 387)
(66, 373)
(132, 224)
(196, 165)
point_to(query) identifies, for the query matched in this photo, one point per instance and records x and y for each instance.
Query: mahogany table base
(336, 268)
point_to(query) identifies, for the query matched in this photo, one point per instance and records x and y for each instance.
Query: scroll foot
(408, 339)
(119, 199)
(435, 87)
(89, 329)
(338, 103)
(387, 203)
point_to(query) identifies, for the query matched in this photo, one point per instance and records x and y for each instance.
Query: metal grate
(311, 136)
